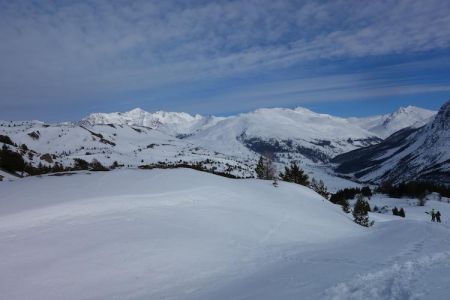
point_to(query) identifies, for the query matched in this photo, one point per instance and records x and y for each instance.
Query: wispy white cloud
(56, 51)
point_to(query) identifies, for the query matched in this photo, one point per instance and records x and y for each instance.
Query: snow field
(160, 234)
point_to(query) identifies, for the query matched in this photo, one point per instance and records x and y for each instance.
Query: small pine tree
(401, 212)
(395, 211)
(319, 187)
(345, 205)
(260, 168)
(361, 211)
(295, 174)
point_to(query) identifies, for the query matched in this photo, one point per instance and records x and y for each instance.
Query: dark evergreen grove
(349, 193)
(413, 189)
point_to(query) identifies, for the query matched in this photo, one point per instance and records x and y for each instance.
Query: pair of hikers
(435, 216)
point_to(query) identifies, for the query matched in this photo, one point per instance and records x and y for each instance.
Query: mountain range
(421, 153)
(319, 142)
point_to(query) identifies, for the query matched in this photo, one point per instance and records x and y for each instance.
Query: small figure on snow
(433, 215)
(438, 216)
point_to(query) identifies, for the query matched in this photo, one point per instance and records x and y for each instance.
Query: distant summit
(409, 154)
(385, 125)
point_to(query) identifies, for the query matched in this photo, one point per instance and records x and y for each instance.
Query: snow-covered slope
(159, 234)
(412, 153)
(285, 130)
(385, 125)
(182, 234)
(130, 146)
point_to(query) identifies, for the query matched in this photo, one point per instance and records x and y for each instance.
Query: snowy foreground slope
(182, 234)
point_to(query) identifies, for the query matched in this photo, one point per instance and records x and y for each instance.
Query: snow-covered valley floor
(182, 234)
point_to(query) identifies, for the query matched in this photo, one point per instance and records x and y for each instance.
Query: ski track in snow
(400, 281)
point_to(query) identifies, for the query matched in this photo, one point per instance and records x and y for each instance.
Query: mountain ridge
(185, 123)
(409, 154)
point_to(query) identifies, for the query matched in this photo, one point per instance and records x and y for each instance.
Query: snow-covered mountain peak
(385, 125)
(135, 111)
(412, 111)
(170, 122)
(138, 117)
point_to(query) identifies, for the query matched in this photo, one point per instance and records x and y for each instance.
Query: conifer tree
(320, 188)
(260, 168)
(395, 211)
(401, 212)
(345, 205)
(295, 174)
(361, 211)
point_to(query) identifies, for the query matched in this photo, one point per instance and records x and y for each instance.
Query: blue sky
(60, 60)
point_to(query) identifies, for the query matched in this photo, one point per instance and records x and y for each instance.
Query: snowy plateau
(140, 231)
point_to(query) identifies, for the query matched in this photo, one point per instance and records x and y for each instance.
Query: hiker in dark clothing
(438, 216)
(433, 215)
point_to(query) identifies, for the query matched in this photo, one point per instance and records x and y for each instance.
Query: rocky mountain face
(409, 154)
